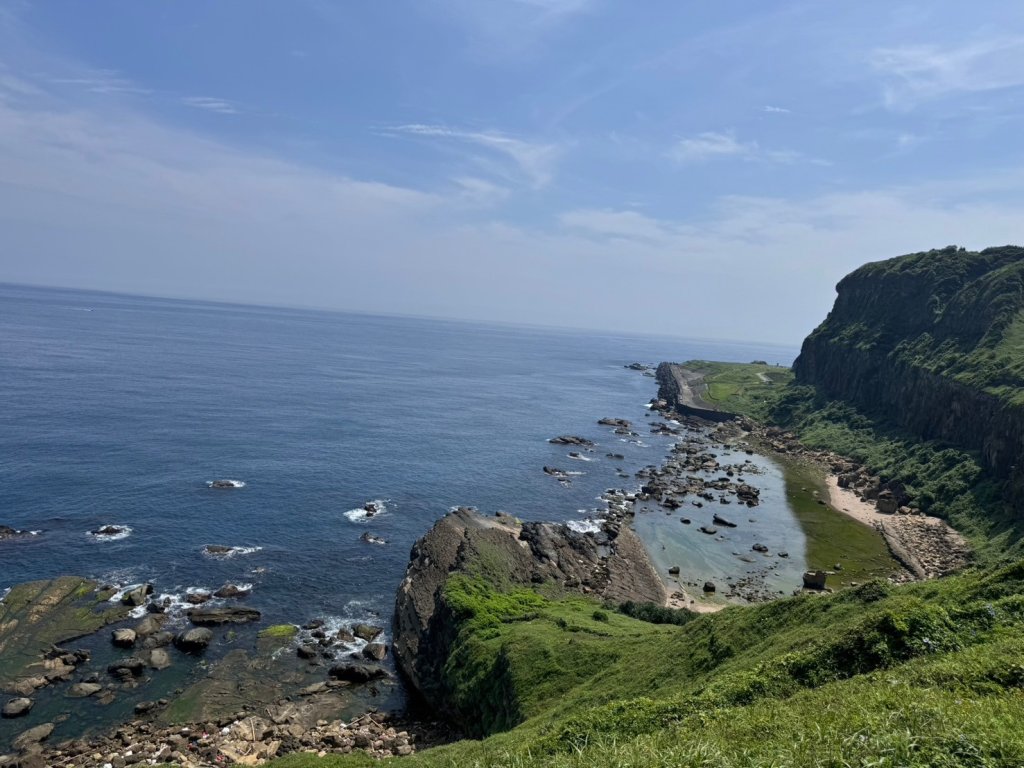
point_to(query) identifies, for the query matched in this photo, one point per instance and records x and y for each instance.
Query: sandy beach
(926, 546)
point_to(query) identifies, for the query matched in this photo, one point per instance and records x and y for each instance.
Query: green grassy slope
(922, 675)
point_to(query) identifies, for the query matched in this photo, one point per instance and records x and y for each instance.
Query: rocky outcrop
(678, 387)
(611, 564)
(920, 341)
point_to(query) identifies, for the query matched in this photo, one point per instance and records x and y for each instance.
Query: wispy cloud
(775, 110)
(708, 145)
(712, 144)
(103, 81)
(220, 106)
(534, 161)
(917, 73)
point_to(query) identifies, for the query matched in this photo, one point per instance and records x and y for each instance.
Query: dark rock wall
(878, 349)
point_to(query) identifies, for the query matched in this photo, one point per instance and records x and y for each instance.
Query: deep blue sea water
(118, 410)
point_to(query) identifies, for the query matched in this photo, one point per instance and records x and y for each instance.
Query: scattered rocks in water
(370, 538)
(572, 440)
(158, 640)
(760, 548)
(719, 520)
(193, 640)
(234, 591)
(674, 570)
(783, 554)
(225, 484)
(223, 615)
(708, 530)
(198, 597)
(372, 508)
(620, 423)
(127, 667)
(709, 586)
(12, 533)
(17, 708)
(685, 520)
(123, 638)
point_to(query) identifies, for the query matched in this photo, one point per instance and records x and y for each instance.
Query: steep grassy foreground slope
(916, 373)
(929, 674)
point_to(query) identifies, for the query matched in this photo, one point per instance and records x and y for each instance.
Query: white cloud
(102, 81)
(712, 144)
(534, 161)
(220, 106)
(708, 145)
(776, 110)
(917, 73)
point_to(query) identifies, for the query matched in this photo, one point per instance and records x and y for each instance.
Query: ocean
(119, 410)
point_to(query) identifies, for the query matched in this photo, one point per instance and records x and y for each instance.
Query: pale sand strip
(926, 546)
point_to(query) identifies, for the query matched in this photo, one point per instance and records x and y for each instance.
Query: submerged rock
(572, 440)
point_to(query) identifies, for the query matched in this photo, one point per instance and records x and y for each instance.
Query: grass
(927, 674)
(746, 388)
(833, 537)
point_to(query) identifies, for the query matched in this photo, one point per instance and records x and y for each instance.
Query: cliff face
(934, 343)
(507, 554)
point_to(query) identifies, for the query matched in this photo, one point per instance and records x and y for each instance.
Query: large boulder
(123, 638)
(357, 673)
(31, 738)
(193, 640)
(815, 579)
(17, 707)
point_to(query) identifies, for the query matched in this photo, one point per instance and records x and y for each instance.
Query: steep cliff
(932, 343)
(470, 570)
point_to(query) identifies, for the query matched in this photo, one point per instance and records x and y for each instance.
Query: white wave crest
(231, 551)
(226, 483)
(116, 532)
(371, 509)
(589, 525)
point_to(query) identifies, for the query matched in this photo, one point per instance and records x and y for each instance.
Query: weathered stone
(193, 640)
(225, 615)
(123, 638)
(366, 631)
(375, 651)
(815, 579)
(82, 690)
(357, 673)
(33, 736)
(17, 707)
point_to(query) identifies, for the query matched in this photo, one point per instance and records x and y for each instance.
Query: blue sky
(690, 168)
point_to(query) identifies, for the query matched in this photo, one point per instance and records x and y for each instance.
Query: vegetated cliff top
(954, 312)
